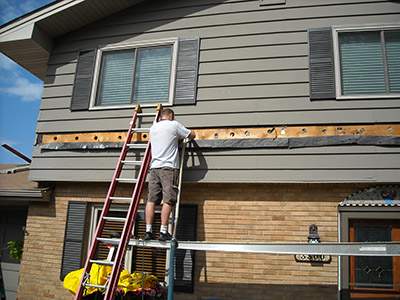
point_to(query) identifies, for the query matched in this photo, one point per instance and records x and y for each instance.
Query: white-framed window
(154, 261)
(119, 76)
(135, 73)
(367, 61)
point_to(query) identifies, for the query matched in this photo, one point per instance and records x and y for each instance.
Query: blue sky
(20, 92)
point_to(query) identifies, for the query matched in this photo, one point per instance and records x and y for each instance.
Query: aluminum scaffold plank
(341, 249)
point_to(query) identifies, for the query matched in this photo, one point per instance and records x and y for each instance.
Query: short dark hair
(167, 112)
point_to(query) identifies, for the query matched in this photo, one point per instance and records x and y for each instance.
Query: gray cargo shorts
(163, 185)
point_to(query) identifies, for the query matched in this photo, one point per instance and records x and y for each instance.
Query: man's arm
(192, 135)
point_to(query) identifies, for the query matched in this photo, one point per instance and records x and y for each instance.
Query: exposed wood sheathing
(242, 137)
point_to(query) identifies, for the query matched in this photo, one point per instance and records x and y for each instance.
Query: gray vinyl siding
(253, 71)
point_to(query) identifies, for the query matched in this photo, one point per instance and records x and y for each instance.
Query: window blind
(152, 76)
(116, 78)
(362, 67)
(392, 39)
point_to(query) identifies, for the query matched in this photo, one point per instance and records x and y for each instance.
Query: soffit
(34, 32)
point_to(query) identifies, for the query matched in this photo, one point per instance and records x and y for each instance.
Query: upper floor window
(138, 75)
(354, 63)
(369, 62)
(147, 73)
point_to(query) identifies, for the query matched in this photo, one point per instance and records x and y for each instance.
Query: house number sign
(313, 258)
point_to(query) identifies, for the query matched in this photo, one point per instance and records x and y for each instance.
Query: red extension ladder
(116, 263)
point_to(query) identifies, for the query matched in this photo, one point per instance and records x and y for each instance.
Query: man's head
(167, 114)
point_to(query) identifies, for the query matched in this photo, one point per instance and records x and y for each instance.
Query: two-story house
(296, 106)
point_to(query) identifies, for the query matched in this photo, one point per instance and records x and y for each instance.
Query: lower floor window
(152, 260)
(137, 259)
(145, 259)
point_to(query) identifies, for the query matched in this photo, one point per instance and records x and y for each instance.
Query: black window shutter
(321, 64)
(184, 259)
(186, 72)
(83, 80)
(75, 228)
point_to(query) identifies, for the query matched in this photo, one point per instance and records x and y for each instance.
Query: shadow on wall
(194, 163)
(47, 209)
(236, 291)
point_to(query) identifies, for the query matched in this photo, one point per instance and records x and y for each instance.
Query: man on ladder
(164, 170)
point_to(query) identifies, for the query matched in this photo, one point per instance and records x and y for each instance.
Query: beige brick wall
(264, 213)
(41, 261)
(227, 212)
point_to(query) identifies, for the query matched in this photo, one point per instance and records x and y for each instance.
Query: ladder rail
(107, 203)
(171, 272)
(128, 226)
(179, 188)
(131, 215)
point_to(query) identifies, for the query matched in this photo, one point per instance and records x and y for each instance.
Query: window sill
(364, 97)
(271, 2)
(130, 106)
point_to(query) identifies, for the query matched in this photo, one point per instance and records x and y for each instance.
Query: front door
(373, 277)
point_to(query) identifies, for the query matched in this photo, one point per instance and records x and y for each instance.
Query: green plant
(16, 249)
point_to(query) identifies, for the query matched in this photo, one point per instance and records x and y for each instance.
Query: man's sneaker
(164, 237)
(148, 236)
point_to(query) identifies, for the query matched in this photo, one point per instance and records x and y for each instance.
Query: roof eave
(36, 195)
(35, 32)
(23, 35)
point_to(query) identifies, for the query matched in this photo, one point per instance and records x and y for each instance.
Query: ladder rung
(125, 199)
(146, 114)
(126, 180)
(116, 241)
(141, 129)
(95, 286)
(137, 146)
(102, 262)
(132, 162)
(109, 241)
(115, 219)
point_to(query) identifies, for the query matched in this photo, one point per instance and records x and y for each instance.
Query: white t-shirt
(164, 137)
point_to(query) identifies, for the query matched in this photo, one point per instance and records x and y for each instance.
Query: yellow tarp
(98, 276)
